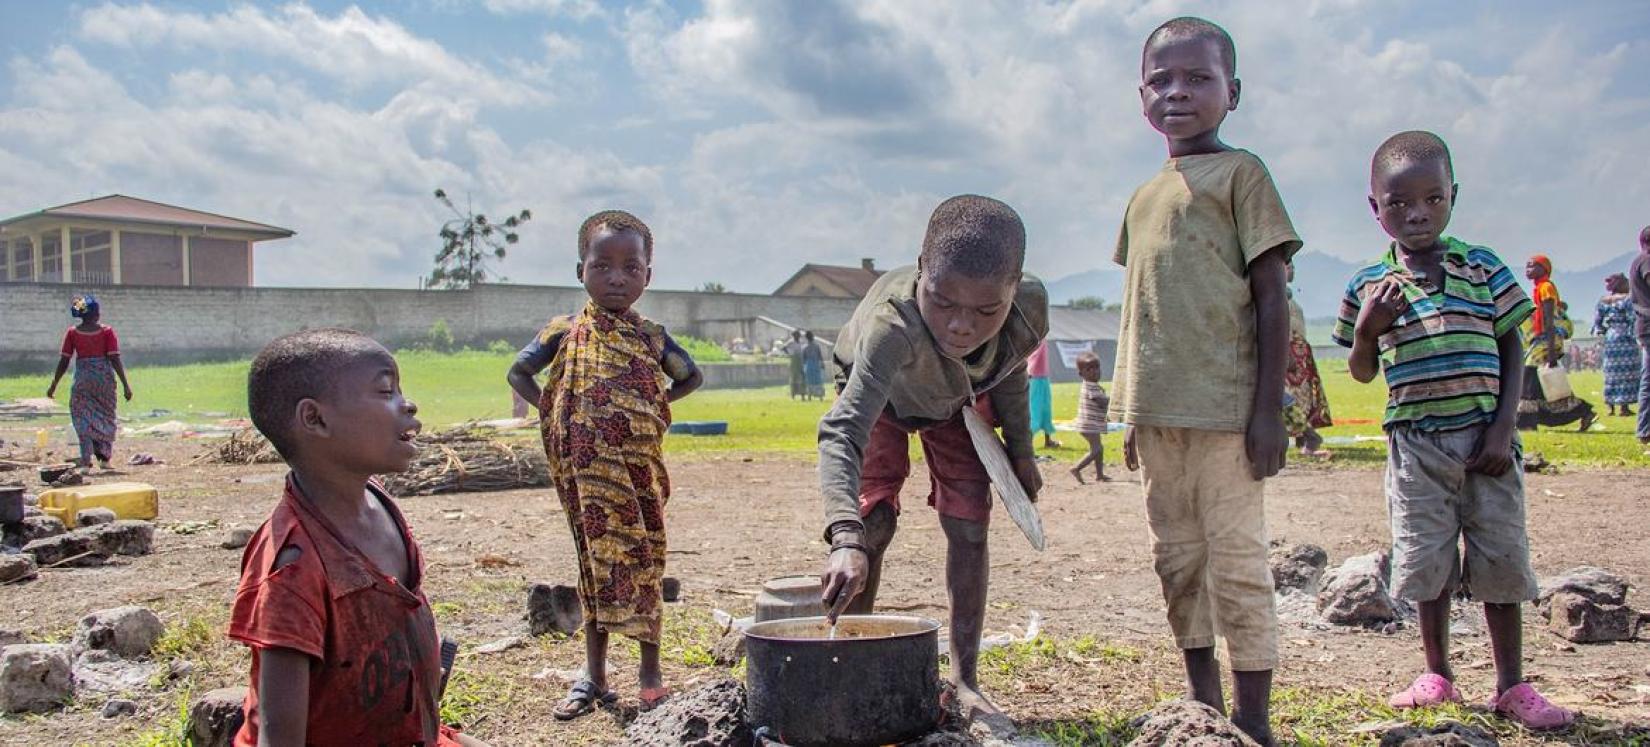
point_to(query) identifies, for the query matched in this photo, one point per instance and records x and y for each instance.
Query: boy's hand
(1383, 304)
(845, 575)
(1131, 455)
(1493, 455)
(1030, 478)
(1267, 443)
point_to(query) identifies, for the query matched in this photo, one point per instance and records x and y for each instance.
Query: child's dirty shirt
(1186, 350)
(886, 359)
(375, 659)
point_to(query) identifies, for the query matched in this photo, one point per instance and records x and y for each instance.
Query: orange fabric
(1544, 291)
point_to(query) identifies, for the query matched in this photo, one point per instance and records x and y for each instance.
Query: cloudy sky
(755, 135)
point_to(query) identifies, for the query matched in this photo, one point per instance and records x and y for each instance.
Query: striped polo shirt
(1443, 370)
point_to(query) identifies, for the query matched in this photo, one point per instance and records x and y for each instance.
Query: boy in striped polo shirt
(1446, 314)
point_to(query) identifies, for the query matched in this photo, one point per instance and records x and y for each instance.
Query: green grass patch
(472, 696)
(1098, 729)
(451, 388)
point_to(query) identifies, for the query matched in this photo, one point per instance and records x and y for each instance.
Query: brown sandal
(582, 699)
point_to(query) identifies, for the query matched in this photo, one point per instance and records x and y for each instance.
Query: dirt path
(735, 522)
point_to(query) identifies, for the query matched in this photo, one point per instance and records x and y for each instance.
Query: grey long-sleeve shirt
(885, 358)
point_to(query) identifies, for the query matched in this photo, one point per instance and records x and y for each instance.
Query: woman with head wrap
(95, 351)
(1545, 334)
(1620, 359)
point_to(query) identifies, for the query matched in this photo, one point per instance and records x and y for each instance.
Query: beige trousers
(1208, 526)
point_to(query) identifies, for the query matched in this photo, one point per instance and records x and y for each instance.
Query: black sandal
(582, 699)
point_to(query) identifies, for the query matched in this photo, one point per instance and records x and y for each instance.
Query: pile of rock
(1589, 605)
(1357, 593)
(107, 654)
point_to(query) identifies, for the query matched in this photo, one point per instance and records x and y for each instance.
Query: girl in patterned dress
(1621, 352)
(603, 412)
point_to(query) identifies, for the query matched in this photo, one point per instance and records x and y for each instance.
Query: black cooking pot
(876, 683)
(11, 504)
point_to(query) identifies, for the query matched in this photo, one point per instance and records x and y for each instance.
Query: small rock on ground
(91, 517)
(96, 670)
(501, 645)
(1582, 620)
(1355, 593)
(1448, 734)
(1596, 584)
(129, 632)
(216, 716)
(17, 568)
(124, 537)
(117, 707)
(77, 549)
(12, 637)
(1298, 568)
(35, 677)
(1182, 723)
(710, 716)
(670, 588)
(237, 538)
(31, 528)
(553, 609)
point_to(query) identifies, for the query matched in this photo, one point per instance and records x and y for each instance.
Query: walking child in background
(1092, 403)
(1309, 409)
(926, 342)
(793, 351)
(1200, 365)
(96, 354)
(604, 411)
(1446, 315)
(1041, 395)
(331, 584)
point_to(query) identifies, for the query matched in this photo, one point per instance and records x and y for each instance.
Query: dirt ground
(735, 522)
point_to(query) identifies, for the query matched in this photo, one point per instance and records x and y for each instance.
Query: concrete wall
(169, 325)
(745, 375)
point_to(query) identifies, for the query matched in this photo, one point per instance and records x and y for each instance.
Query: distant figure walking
(793, 349)
(95, 351)
(1638, 284)
(1309, 409)
(1547, 330)
(1040, 395)
(1620, 359)
(813, 368)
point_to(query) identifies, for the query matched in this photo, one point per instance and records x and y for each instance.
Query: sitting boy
(928, 341)
(331, 601)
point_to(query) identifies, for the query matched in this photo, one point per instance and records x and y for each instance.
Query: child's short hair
(616, 220)
(1414, 145)
(1192, 27)
(1087, 358)
(976, 236)
(296, 367)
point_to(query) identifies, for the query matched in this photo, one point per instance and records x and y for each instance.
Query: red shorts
(959, 485)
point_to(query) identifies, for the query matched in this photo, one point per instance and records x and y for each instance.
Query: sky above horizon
(756, 136)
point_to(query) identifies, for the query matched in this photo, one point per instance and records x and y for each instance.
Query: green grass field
(453, 388)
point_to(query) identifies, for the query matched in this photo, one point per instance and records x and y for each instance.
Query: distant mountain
(1582, 288)
(1106, 284)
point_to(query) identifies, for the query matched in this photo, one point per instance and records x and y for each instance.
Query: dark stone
(711, 716)
(1596, 584)
(237, 538)
(671, 588)
(1448, 734)
(57, 550)
(1298, 568)
(216, 716)
(1581, 619)
(31, 528)
(17, 568)
(1355, 593)
(124, 537)
(91, 517)
(1188, 722)
(553, 609)
(117, 707)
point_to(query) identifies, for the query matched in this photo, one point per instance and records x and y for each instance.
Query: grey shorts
(1434, 503)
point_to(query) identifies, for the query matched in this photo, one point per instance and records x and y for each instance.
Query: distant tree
(468, 241)
(1090, 303)
(713, 287)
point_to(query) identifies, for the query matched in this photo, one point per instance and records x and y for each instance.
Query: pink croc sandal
(1427, 690)
(1526, 706)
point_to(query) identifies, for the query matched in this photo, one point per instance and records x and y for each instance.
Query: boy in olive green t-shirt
(1200, 364)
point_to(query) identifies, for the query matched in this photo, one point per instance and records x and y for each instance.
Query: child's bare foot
(1077, 473)
(972, 704)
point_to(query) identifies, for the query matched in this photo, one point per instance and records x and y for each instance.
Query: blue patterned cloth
(1621, 352)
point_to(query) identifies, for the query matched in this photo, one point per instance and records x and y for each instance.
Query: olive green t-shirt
(1186, 352)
